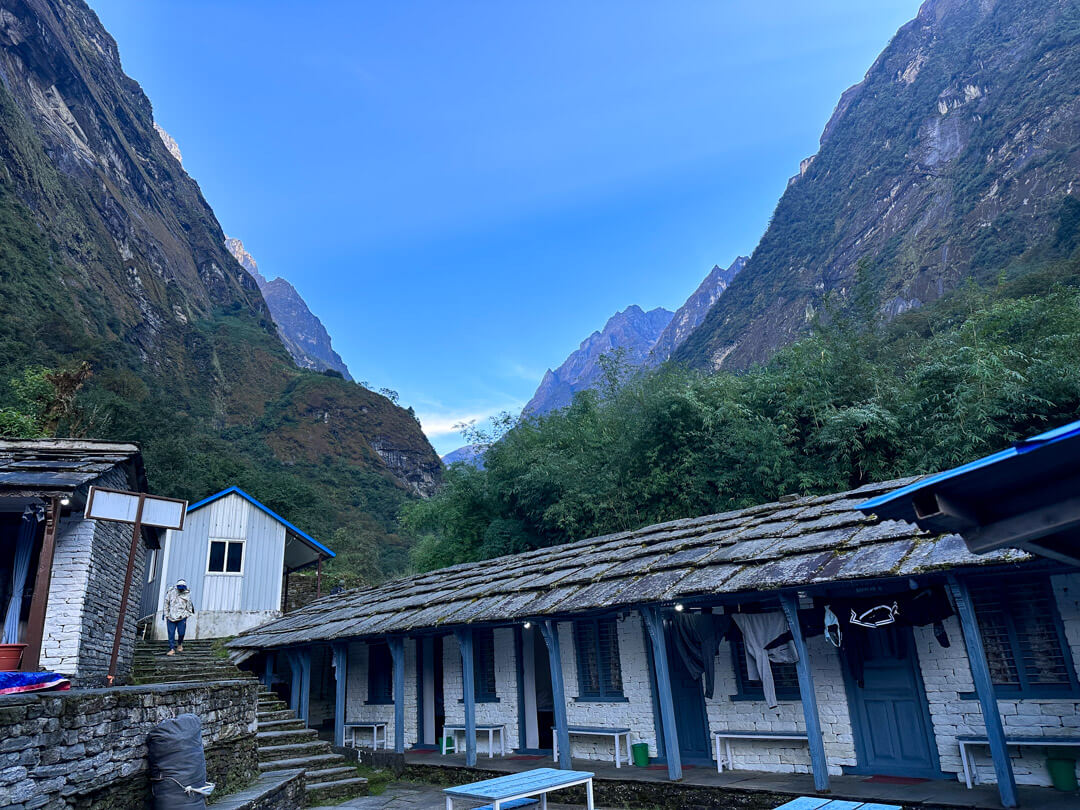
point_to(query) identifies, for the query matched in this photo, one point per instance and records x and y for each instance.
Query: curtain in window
(24, 549)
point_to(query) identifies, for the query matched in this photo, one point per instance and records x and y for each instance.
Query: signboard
(123, 507)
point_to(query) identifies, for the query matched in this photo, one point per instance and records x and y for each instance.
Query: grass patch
(378, 778)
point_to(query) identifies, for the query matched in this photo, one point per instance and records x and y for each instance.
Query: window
(380, 674)
(599, 669)
(785, 676)
(484, 666)
(1024, 640)
(226, 557)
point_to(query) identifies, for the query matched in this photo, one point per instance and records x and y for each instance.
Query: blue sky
(463, 190)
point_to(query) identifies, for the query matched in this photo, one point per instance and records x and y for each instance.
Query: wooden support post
(136, 533)
(397, 652)
(295, 682)
(305, 685)
(654, 623)
(465, 642)
(35, 625)
(268, 670)
(550, 631)
(984, 688)
(341, 676)
(790, 603)
(318, 579)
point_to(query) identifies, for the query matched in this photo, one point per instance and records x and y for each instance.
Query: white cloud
(449, 423)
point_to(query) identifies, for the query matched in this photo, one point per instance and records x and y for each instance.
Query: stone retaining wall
(86, 748)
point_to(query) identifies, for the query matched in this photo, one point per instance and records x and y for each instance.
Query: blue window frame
(484, 665)
(380, 680)
(1022, 632)
(785, 676)
(596, 642)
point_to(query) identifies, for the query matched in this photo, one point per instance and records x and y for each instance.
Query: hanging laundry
(697, 637)
(877, 616)
(758, 630)
(833, 632)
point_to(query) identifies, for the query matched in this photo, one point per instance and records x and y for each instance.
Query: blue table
(816, 803)
(514, 790)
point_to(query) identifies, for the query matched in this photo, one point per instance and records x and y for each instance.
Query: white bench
(518, 789)
(726, 737)
(375, 725)
(491, 730)
(617, 734)
(971, 775)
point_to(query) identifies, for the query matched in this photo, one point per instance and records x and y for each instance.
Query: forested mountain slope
(109, 254)
(949, 160)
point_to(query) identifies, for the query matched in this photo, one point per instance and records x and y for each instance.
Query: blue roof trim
(237, 491)
(1069, 431)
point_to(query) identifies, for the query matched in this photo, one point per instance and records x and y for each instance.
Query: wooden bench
(480, 729)
(971, 775)
(617, 734)
(727, 736)
(375, 725)
(519, 789)
(817, 803)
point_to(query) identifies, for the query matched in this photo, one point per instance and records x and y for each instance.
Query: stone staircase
(200, 661)
(284, 744)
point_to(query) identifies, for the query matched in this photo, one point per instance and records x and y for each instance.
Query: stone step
(325, 760)
(268, 753)
(299, 735)
(330, 774)
(341, 789)
(281, 725)
(271, 789)
(279, 714)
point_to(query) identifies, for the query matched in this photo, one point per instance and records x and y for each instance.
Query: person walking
(178, 608)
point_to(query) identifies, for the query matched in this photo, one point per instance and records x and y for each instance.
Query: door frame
(860, 734)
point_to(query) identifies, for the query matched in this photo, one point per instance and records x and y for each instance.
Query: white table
(726, 737)
(480, 729)
(375, 725)
(617, 734)
(971, 775)
(516, 790)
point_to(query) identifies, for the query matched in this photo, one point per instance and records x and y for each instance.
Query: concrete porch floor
(929, 794)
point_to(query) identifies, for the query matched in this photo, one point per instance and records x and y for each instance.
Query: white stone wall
(947, 674)
(636, 713)
(356, 695)
(754, 715)
(502, 712)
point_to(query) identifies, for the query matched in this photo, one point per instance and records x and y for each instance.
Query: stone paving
(405, 796)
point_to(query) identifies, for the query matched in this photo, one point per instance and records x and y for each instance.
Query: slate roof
(803, 542)
(42, 467)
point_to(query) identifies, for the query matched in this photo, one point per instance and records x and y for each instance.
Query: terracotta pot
(11, 656)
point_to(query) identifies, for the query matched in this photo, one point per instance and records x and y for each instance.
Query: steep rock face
(632, 330)
(690, 315)
(110, 254)
(948, 160)
(301, 331)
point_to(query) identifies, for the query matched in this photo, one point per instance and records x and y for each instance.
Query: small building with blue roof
(235, 554)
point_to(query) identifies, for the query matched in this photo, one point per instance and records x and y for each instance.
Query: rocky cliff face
(301, 331)
(110, 254)
(949, 160)
(690, 315)
(633, 331)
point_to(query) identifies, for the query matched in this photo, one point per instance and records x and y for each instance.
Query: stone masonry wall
(947, 675)
(356, 695)
(502, 712)
(89, 565)
(87, 748)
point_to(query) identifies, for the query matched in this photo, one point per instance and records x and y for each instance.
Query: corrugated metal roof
(809, 541)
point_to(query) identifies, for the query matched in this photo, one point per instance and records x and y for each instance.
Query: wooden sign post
(138, 509)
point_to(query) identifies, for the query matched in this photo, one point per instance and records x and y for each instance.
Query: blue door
(889, 713)
(691, 721)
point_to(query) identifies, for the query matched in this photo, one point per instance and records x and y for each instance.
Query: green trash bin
(1062, 772)
(640, 752)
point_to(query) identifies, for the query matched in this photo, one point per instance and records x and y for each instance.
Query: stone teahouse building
(73, 575)
(606, 634)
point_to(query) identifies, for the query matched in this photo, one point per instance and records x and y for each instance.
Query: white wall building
(235, 554)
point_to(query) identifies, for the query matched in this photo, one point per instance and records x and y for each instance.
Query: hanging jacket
(758, 630)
